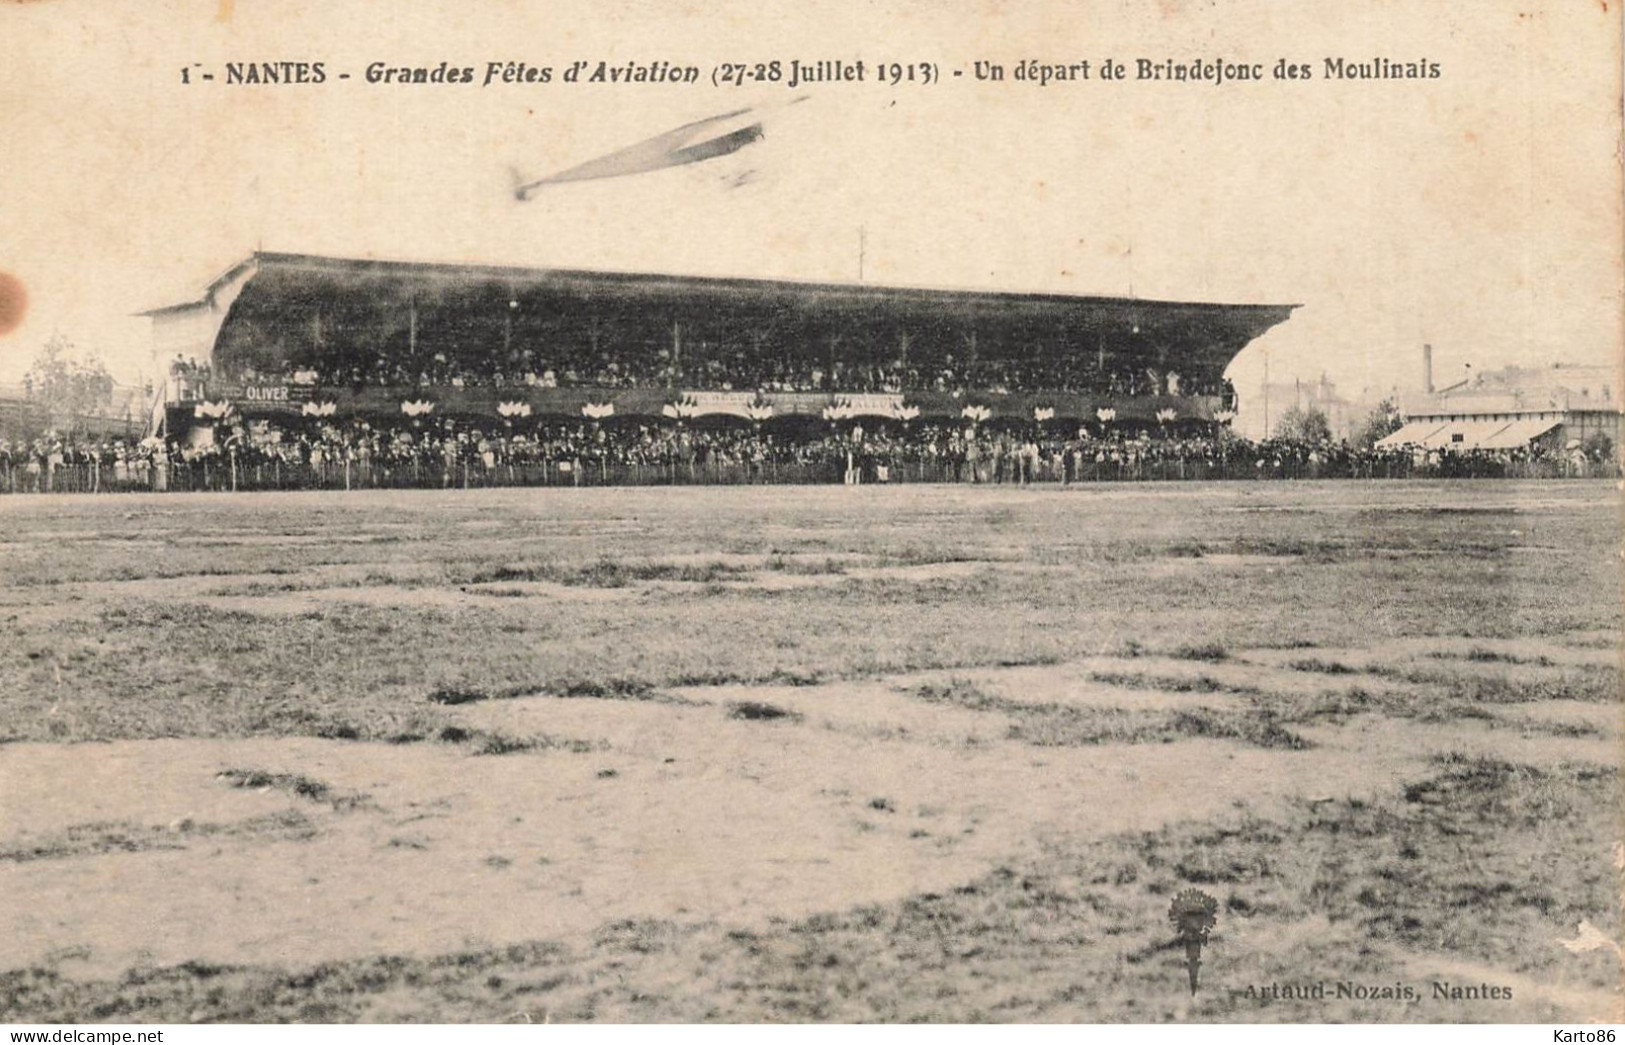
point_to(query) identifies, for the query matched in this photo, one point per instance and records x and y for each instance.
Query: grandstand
(285, 335)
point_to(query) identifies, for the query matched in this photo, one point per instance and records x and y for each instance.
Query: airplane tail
(521, 191)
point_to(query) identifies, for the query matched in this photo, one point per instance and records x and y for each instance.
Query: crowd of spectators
(52, 464)
(736, 372)
(446, 452)
(189, 378)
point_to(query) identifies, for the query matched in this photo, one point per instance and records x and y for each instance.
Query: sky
(1479, 211)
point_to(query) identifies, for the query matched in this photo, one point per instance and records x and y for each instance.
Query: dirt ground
(812, 753)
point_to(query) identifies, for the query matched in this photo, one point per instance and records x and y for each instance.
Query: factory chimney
(1427, 368)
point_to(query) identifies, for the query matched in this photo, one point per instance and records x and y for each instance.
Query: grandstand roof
(277, 293)
(428, 270)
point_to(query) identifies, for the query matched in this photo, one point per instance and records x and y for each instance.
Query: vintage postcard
(564, 512)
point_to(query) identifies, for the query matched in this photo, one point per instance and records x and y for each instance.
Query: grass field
(812, 753)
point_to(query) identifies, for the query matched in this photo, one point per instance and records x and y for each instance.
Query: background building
(1561, 407)
(1345, 414)
(25, 416)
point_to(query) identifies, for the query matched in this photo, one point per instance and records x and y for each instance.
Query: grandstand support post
(1266, 393)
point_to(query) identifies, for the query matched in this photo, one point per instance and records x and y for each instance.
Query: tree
(69, 389)
(1382, 422)
(1304, 426)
